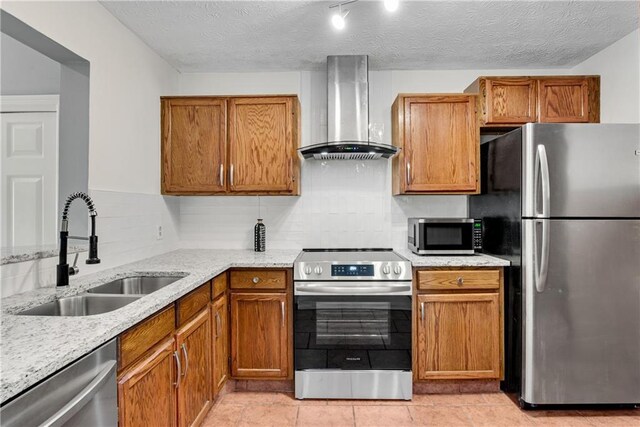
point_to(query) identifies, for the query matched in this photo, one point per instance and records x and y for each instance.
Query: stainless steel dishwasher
(82, 394)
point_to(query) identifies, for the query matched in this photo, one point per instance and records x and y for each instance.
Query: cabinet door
(262, 144)
(441, 144)
(509, 100)
(193, 343)
(259, 335)
(220, 328)
(193, 145)
(146, 391)
(563, 100)
(458, 336)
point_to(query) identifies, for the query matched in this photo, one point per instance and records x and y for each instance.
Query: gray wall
(73, 172)
(24, 71)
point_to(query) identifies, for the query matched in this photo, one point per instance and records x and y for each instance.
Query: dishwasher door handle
(82, 398)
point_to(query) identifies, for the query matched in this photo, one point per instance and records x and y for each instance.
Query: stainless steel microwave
(445, 236)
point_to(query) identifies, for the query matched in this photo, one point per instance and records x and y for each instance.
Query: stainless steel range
(352, 324)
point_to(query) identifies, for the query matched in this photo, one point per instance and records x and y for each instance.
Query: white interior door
(29, 174)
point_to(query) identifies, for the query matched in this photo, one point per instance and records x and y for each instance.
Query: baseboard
(456, 386)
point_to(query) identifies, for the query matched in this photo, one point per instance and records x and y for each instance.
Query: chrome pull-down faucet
(64, 271)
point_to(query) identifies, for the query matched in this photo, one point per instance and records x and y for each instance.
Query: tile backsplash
(343, 204)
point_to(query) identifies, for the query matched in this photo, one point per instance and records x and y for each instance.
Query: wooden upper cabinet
(193, 342)
(569, 100)
(458, 336)
(230, 145)
(513, 101)
(509, 101)
(259, 335)
(439, 141)
(147, 393)
(194, 137)
(263, 135)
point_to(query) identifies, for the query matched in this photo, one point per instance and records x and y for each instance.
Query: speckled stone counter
(478, 260)
(34, 347)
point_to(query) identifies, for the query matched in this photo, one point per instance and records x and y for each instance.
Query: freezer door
(581, 329)
(581, 170)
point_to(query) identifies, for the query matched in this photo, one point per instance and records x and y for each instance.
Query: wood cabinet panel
(458, 279)
(458, 336)
(220, 332)
(263, 134)
(259, 335)
(439, 138)
(194, 137)
(192, 303)
(564, 100)
(506, 101)
(509, 100)
(138, 339)
(193, 342)
(146, 392)
(218, 285)
(258, 279)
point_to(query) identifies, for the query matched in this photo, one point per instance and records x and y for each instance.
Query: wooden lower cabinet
(193, 343)
(220, 336)
(260, 335)
(147, 391)
(458, 336)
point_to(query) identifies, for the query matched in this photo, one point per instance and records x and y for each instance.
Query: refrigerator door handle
(542, 173)
(542, 267)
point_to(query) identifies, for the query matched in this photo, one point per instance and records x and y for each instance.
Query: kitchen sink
(136, 285)
(81, 305)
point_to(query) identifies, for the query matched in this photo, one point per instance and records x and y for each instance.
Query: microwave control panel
(477, 235)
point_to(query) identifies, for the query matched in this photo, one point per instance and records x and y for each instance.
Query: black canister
(259, 236)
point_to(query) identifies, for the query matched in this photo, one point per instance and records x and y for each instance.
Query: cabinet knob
(256, 279)
(460, 281)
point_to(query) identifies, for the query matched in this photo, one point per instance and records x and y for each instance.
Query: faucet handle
(74, 268)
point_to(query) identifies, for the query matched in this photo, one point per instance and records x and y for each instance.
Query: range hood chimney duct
(348, 114)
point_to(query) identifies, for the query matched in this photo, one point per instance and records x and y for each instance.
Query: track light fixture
(339, 17)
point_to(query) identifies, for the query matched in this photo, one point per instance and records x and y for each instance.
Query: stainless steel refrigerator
(562, 202)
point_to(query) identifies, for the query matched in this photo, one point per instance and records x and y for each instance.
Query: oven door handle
(349, 289)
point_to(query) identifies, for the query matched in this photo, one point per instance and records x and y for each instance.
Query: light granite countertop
(34, 347)
(12, 255)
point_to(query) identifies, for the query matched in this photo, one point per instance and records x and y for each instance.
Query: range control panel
(352, 270)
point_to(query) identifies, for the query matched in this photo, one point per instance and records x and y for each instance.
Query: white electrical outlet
(159, 232)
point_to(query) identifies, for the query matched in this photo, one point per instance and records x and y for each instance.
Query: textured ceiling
(213, 36)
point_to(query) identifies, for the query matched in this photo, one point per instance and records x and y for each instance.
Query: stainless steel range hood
(348, 114)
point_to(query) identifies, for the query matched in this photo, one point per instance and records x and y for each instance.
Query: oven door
(353, 332)
(446, 237)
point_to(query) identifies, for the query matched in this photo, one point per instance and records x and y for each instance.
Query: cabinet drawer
(139, 339)
(259, 279)
(218, 285)
(458, 279)
(192, 303)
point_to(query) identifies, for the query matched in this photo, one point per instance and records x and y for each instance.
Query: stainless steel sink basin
(81, 305)
(137, 285)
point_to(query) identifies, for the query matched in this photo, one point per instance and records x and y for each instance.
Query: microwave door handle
(542, 174)
(82, 398)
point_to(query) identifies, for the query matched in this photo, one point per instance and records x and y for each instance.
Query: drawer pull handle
(460, 281)
(256, 279)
